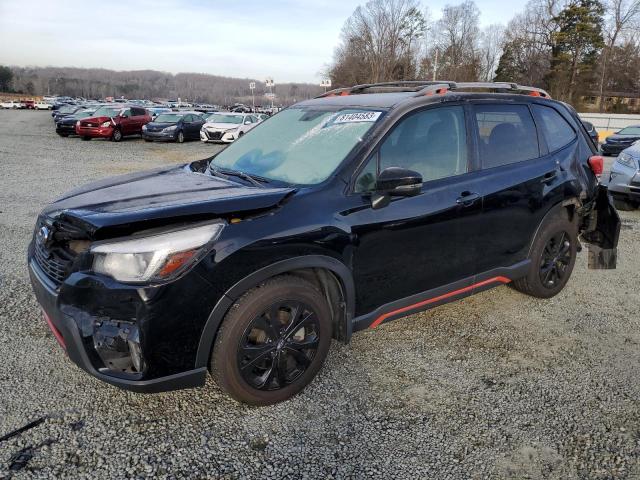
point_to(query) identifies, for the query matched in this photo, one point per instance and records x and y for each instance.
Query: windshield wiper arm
(254, 179)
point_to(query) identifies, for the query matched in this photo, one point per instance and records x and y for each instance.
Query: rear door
(126, 122)
(521, 180)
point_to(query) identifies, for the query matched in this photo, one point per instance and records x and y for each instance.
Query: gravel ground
(499, 385)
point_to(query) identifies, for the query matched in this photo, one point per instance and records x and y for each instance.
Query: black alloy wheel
(555, 260)
(272, 341)
(278, 345)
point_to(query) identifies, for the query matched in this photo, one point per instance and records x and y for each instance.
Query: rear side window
(556, 130)
(506, 134)
(432, 142)
(138, 112)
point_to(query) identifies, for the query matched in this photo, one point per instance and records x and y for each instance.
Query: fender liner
(338, 268)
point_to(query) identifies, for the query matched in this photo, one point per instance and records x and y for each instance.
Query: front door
(416, 244)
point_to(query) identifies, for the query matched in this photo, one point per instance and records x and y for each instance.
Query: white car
(11, 104)
(227, 127)
(42, 105)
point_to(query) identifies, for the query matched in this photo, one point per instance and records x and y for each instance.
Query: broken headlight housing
(154, 257)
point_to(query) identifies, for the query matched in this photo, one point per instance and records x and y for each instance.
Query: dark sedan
(174, 127)
(66, 126)
(65, 111)
(617, 142)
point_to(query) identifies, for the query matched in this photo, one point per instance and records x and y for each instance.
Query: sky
(290, 41)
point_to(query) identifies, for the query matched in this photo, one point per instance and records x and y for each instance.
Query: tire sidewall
(117, 135)
(224, 363)
(180, 137)
(551, 228)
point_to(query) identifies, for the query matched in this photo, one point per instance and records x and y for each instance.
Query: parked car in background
(174, 126)
(155, 111)
(261, 116)
(66, 126)
(591, 130)
(227, 127)
(620, 140)
(65, 111)
(624, 178)
(42, 105)
(113, 122)
(13, 104)
(28, 104)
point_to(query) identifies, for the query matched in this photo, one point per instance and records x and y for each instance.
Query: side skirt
(441, 295)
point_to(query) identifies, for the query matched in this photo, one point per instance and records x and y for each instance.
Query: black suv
(338, 214)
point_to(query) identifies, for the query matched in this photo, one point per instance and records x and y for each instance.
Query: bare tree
(621, 16)
(491, 39)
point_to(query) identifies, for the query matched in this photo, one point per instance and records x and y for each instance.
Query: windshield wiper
(254, 179)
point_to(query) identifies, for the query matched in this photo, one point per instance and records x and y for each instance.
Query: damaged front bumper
(107, 348)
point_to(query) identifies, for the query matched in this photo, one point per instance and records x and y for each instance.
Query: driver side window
(431, 142)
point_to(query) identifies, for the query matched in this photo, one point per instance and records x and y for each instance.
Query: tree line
(149, 84)
(571, 48)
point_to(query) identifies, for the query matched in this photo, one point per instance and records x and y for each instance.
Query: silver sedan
(624, 179)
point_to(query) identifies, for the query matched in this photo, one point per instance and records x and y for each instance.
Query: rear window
(506, 134)
(630, 131)
(556, 130)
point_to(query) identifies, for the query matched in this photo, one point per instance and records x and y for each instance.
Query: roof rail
(401, 85)
(426, 87)
(509, 86)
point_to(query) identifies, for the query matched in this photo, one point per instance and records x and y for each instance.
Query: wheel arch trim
(339, 269)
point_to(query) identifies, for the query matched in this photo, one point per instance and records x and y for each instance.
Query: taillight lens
(596, 162)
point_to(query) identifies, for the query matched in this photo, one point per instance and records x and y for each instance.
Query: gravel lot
(499, 385)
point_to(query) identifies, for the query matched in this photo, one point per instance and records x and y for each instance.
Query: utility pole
(252, 86)
(269, 83)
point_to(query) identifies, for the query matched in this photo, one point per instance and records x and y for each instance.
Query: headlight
(169, 129)
(105, 124)
(231, 130)
(155, 257)
(78, 123)
(626, 160)
(144, 127)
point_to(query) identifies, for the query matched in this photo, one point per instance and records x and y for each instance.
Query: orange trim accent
(344, 94)
(54, 330)
(444, 296)
(534, 94)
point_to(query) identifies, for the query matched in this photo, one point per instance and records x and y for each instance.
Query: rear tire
(624, 205)
(272, 342)
(553, 255)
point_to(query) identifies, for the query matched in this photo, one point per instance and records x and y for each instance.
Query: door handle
(466, 199)
(549, 177)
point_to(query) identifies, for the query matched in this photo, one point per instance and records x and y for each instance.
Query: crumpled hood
(174, 193)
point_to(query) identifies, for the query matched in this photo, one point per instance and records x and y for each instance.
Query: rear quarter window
(556, 130)
(506, 134)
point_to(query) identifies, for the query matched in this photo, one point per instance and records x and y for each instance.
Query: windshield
(68, 109)
(298, 145)
(107, 111)
(222, 118)
(85, 114)
(630, 131)
(168, 118)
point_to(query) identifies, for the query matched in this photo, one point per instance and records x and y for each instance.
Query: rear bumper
(65, 329)
(94, 132)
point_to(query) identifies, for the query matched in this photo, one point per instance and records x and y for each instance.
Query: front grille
(214, 135)
(51, 257)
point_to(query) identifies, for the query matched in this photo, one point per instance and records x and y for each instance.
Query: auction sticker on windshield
(357, 117)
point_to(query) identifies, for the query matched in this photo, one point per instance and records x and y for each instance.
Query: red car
(113, 122)
(28, 104)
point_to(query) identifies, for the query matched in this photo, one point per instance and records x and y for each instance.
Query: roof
(390, 94)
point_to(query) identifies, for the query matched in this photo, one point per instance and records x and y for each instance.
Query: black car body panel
(374, 259)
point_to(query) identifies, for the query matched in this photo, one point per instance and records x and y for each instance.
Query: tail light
(596, 163)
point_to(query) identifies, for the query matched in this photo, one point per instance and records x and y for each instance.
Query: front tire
(117, 135)
(553, 255)
(180, 137)
(272, 342)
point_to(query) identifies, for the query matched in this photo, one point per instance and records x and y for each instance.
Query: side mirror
(395, 182)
